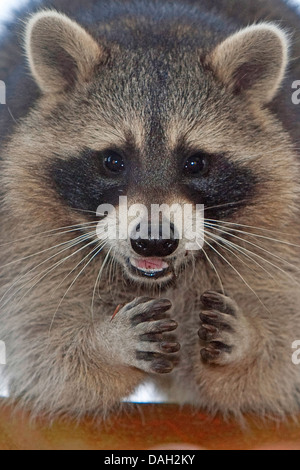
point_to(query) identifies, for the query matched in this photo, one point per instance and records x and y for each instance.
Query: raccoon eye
(114, 162)
(197, 165)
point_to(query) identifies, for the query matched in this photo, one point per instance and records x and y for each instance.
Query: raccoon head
(157, 119)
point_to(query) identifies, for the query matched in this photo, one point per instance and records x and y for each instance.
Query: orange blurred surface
(145, 427)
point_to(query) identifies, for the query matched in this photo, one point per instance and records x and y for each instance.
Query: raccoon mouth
(153, 268)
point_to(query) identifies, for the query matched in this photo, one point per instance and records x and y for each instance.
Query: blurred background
(146, 393)
(7, 6)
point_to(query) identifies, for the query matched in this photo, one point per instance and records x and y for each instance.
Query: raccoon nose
(156, 248)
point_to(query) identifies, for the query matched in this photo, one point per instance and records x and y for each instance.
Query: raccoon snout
(156, 247)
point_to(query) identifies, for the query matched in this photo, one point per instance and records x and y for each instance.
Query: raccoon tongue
(150, 264)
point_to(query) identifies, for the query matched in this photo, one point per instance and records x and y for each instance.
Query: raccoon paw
(220, 331)
(150, 347)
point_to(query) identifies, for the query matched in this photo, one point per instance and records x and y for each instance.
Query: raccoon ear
(59, 51)
(253, 61)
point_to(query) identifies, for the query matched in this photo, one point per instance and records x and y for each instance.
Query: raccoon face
(160, 126)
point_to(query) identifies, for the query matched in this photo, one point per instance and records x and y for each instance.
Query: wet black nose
(156, 247)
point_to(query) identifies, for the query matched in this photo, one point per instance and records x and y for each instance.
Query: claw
(155, 311)
(162, 366)
(170, 347)
(209, 317)
(208, 332)
(212, 299)
(210, 354)
(152, 337)
(169, 325)
(147, 356)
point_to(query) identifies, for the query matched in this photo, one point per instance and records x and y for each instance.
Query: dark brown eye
(114, 162)
(197, 165)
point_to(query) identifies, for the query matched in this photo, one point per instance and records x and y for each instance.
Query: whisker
(111, 267)
(97, 282)
(227, 204)
(47, 271)
(96, 251)
(237, 272)
(225, 244)
(80, 262)
(286, 274)
(56, 231)
(262, 249)
(43, 251)
(85, 211)
(256, 235)
(71, 245)
(215, 270)
(247, 226)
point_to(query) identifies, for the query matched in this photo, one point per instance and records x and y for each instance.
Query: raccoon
(162, 102)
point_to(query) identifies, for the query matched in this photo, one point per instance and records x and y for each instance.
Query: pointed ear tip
(253, 60)
(265, 33)
(272, 29)
(60, 22)
(285, 38)
(35, 18)
(41, 15)
(51, 41)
